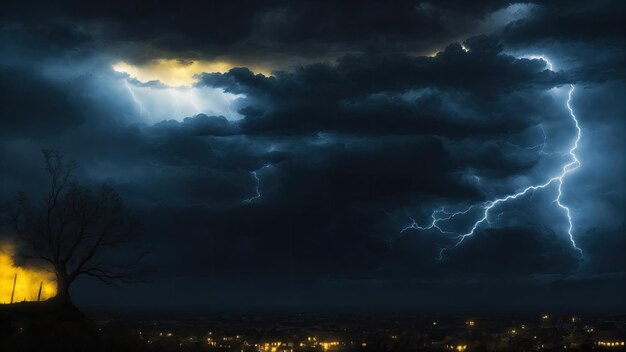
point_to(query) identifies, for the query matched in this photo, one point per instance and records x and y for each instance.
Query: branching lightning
(255, 175)
(440, 216)
(540, 147)
(134, 97)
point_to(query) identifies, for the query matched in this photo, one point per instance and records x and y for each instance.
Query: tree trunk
(63, 297)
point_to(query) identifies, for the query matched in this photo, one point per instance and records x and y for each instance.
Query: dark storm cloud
(150, 84)
(199, 125)
(33, 106)
(579, 21)
(587, 36)
(364, 92)
(42, 40)
(481, 70)
(283, 31)
(345, 149)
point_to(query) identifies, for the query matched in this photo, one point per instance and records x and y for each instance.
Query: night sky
(290, 154)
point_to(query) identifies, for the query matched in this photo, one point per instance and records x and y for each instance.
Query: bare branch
(73, 229)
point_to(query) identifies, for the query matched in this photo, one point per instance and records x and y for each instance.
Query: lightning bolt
(434, 224)
(541, 146)
(134, 97)
(255, 175)
(440, 216)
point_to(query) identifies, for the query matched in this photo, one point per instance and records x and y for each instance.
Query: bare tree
(75, 231)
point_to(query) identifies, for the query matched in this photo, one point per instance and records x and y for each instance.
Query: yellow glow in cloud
(174, 73)
(28, 280)
(435, 52)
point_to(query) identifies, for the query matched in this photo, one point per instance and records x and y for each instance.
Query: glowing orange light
(27, 280)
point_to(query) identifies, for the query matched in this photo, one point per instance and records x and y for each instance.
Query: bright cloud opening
(177, 98)
(175, 73)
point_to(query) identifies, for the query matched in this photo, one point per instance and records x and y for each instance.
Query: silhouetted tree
(72, 231)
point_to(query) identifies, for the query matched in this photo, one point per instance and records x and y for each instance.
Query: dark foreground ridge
(46, 327)
(50, 326)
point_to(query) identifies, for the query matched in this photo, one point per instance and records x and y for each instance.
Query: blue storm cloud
(307, 176)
